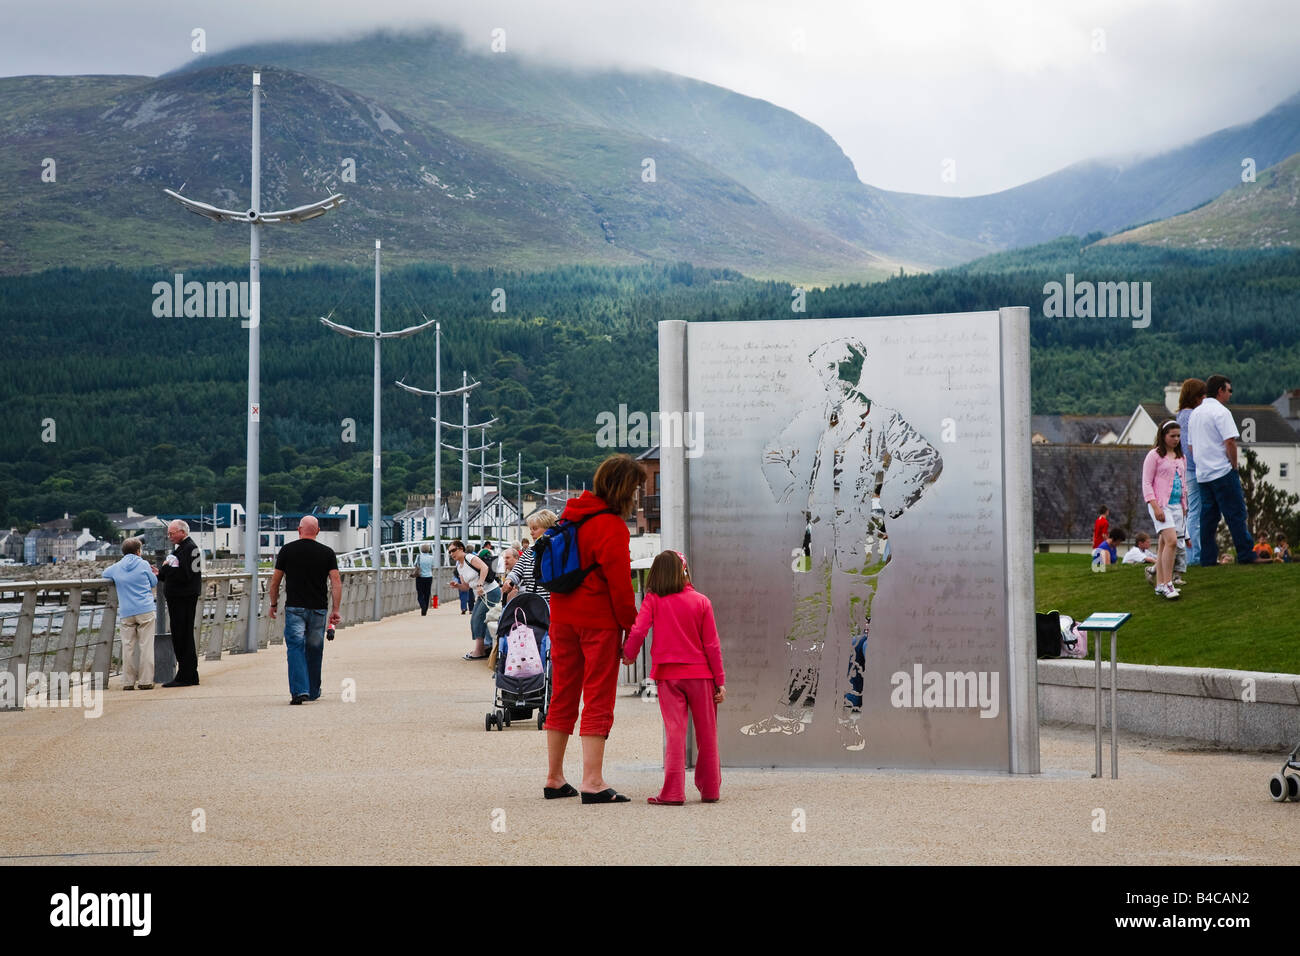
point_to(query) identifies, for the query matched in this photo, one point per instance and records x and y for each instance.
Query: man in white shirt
(1213, 440)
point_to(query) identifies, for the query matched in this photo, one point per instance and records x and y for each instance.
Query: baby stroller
(517, 697)
(1286, 786)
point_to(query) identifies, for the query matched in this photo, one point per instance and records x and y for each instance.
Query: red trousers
(675, 698)
(584, 664)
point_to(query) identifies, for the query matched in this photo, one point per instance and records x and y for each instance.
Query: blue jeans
(304, 640)
(1223, 496)
(478, 620)
(1193, 519)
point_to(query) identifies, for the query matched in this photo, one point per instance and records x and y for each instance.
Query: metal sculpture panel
(846, 518)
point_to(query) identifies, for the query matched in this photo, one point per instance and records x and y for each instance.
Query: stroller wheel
(501, 720)
(507, 718)
(541, 720)
(1293, 788)
(487, 723)
(1278, 788)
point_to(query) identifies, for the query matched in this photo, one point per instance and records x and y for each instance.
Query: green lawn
(1242, 618)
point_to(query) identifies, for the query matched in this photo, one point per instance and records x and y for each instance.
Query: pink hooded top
(686, 637)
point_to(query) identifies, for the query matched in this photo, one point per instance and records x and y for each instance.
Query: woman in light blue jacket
(424, 577)
(135, 580)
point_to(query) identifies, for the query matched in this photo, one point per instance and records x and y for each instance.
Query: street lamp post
(438, 394)
(466, 464)
(516, 479)
(376, 499)
(255, 219)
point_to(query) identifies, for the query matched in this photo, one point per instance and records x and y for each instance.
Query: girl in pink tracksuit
(687, 668)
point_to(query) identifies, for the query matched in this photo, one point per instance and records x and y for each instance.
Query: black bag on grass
(1048, 626)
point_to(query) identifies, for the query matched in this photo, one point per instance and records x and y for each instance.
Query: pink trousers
(675, 698)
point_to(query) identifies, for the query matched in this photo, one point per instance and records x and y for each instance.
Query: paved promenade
(406, 774)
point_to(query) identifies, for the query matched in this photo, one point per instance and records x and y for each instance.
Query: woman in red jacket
(587, 627)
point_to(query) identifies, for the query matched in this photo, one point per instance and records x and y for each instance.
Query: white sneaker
(1167, 591)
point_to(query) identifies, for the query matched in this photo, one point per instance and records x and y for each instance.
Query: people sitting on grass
(1263, 550)
(1107, 553)
(1281, 550)
(1141, 552)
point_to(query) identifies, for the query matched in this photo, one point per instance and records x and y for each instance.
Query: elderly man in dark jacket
(182, 577)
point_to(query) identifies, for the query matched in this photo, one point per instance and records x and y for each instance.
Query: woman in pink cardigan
(1164, 486)
(687, 670)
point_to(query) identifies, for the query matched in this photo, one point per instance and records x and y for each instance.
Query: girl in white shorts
(1164, 486)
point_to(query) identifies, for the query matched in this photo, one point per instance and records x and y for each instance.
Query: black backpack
(1048, 627)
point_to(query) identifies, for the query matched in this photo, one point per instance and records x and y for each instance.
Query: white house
(416, 524)
(492, 515)
(342, 527)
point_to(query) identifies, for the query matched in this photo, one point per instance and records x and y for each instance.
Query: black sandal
(476, 657)
(555, 793)
(609, 795)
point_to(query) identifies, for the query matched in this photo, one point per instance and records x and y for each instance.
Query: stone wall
(1239, 710)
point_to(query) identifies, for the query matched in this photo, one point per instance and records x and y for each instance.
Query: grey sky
(1008, 89)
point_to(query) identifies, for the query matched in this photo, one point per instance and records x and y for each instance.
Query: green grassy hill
(1237, 618)
(1264, 214)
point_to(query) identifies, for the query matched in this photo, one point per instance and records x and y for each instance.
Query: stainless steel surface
(808, 416)
(1114, 711)
(674, 530)
(1096, 641)
(1018, 531)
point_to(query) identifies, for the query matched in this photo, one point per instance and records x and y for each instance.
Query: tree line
(109, 406)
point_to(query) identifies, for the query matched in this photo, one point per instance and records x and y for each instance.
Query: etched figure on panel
(865, 454)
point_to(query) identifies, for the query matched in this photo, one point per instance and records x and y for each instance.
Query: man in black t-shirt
(308, 564)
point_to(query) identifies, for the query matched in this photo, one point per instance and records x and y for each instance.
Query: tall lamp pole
(466, 464)
(376, 510)
(255, 219)
(515, 478)
(438, 394)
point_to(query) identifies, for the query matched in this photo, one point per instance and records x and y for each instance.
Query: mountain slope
(1264, 214)
(429, 193)
(1100, 195)
(515, 105)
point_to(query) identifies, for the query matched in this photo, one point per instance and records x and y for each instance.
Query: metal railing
(402, 554)
(70, 627)
(399, 555)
